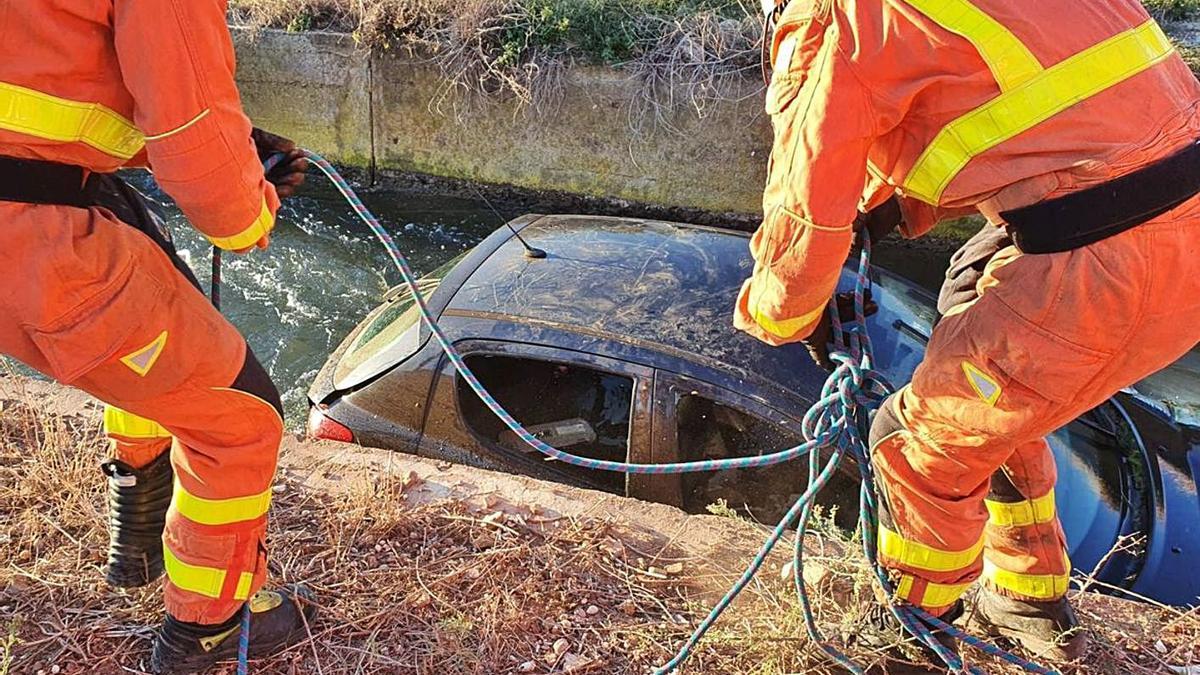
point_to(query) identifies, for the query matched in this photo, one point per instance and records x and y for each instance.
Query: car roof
(665, 287)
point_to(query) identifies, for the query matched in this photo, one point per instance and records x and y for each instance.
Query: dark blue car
(619, 345)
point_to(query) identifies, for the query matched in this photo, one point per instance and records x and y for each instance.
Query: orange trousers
(101, 305)
(965, 474)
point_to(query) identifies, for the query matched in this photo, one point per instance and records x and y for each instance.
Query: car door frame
(668, 488)
(640, 422)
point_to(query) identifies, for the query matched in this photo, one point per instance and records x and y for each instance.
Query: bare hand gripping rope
(852, 392)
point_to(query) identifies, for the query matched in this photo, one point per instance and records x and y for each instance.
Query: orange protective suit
(98, 304)
(980, 105)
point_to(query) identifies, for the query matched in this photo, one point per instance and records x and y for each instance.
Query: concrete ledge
(377, 110)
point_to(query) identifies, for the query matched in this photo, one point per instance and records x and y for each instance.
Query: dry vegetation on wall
(456, 586)
(685, 51)
(519, 47)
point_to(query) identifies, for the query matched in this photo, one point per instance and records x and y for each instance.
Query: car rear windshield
(393, 331)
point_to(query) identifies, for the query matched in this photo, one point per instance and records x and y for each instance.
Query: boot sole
(197, 663)
(1074, 648)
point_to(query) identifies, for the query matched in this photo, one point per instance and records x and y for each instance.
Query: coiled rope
(835, 424)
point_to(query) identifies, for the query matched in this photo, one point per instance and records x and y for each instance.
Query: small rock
(527, 667)
(1160, 646)
(785, 572)
(593, 610)
(561, 645)
(279, 489)
(815, 575)
(575, 663)
(55, 669)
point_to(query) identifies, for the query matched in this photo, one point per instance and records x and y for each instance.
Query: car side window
(580, 410)
(708, 429)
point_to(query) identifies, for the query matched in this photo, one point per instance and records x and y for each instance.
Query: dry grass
(450, 587)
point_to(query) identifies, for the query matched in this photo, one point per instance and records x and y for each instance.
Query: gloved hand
(880, 221)
(288, 174)
(818, 342)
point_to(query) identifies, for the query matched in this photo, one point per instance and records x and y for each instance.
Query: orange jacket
(106, 84)
(957, 106)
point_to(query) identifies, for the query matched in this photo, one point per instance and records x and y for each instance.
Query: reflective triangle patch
(983, 384)
(143, 359)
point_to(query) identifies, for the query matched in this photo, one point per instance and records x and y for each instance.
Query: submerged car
(619, 345)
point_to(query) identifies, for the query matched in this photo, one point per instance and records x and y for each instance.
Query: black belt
(36, 182)
(1096, 213)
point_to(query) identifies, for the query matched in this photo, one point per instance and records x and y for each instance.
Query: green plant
(6, 648)
(301, 22)
(722, 509)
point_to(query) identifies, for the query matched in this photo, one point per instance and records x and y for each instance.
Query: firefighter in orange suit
(97, 298)
(1072, 126)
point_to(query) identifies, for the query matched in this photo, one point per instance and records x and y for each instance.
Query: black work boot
(137, 511)
(1048, 630)
(884, 632)
(277, 620)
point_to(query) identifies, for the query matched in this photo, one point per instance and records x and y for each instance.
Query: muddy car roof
(666, 287)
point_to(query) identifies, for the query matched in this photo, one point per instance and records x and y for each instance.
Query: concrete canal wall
(390, 111)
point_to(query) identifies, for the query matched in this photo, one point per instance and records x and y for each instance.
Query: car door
(581, 403)
(695, 420)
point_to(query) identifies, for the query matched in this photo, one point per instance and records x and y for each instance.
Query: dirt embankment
(428, 568)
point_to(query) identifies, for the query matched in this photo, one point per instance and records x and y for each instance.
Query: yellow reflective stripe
(1053, 90)
(935, 595)
(220, 511)
(1034, 586)
(786, 328)
(206, 581)
(168, 134)
(1010, 61)
(1021, 514)
(249, 236)
(41, 115)
(243, 587)
(919, 556)
(118, 422)
(782, 328)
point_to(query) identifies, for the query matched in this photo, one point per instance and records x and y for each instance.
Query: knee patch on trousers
(886, 421)
(1003, 490)
(253, 379)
